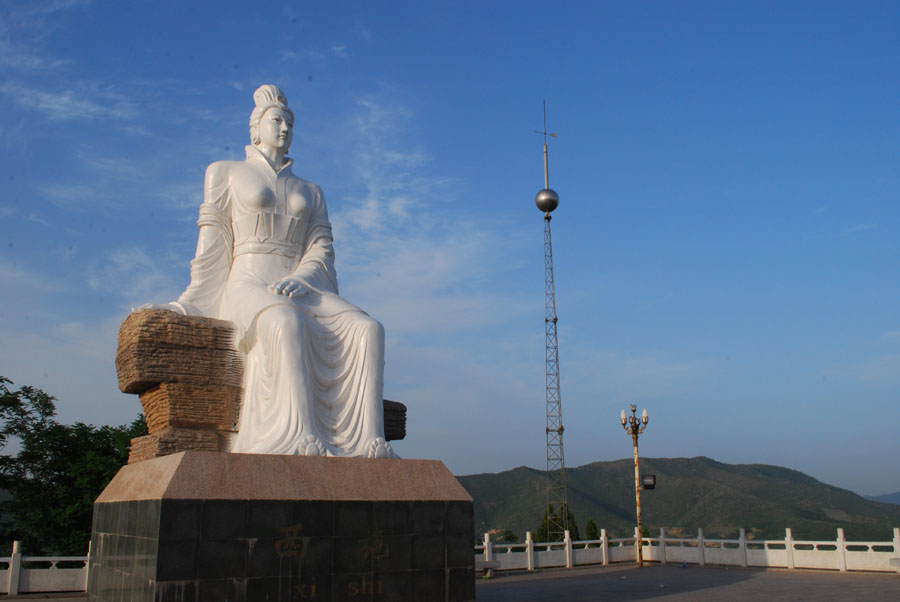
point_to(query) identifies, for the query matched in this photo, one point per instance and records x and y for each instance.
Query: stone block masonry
(158, 346)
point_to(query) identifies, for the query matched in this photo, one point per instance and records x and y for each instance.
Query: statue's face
(276, 129)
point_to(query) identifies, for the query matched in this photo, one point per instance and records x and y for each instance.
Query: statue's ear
(254, 135)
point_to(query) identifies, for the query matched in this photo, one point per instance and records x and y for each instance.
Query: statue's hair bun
(268, 95)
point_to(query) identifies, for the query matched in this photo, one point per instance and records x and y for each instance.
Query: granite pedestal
(217, 527)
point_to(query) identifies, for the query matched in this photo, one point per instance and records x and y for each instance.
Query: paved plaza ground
(694, 584)
(666, 583)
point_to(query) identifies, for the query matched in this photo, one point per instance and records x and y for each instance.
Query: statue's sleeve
(215, 246)
(316, 267)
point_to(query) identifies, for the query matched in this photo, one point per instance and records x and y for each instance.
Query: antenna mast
(558, 522)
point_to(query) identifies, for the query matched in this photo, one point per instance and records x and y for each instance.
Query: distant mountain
(888, 498)
(690, 493)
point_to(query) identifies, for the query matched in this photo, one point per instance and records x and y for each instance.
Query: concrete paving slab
(691, 584)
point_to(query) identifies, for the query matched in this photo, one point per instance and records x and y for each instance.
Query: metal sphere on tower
(546, 200)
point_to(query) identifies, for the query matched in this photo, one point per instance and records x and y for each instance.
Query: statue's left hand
(290, 287)
(178, 308)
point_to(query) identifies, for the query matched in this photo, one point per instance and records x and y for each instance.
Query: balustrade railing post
(638, 552)
(568, 541)
(87, 567)
(743, 544)
(529, 550)
(897, 546)
(15, 568)
(701, 548)
(789, 548)
(662, 545)
(488, 548)
(604, 544)
(841, 550)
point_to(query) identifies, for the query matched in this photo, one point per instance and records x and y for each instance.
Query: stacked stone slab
(394, 420)
(188, 374)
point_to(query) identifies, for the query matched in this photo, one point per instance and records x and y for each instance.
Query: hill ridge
(691, 493)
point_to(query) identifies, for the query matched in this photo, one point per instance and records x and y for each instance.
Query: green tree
(573, 525)
(509, 537)
(591, 531)
(57, 474)
(542, 533)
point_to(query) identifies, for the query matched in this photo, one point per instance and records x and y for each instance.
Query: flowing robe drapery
(314, 363)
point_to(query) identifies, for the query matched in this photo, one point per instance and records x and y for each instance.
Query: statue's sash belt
(268, 233)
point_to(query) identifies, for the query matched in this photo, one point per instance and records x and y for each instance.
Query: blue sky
(725, 246)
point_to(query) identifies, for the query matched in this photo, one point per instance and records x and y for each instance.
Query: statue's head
(269, 98)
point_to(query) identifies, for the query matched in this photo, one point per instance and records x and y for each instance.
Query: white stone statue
(314, 363)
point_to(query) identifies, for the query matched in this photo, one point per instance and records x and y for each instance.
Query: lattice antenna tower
(547, 200)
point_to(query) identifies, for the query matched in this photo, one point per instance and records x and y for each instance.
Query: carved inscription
(305, 591)
(373, 547)
(292, 545)
(365, 586)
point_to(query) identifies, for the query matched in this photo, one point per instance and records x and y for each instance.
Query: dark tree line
(57, 471)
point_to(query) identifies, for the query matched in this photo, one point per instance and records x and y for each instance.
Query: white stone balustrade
(21, 576)
(837, 555)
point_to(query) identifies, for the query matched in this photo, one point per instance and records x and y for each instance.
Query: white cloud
(395, 179)
(306, 54)
(403, 252)
(71, 104)
(29, 20)
(878, 370)
(118, 182)
(16, 278)
(16, 57)
(74, 362)
(131, 274)
(619, 375)
(66, 195)
(860, 228)
(71, 358)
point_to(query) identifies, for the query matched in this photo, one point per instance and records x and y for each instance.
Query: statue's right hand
(173, 306)
(290, 287)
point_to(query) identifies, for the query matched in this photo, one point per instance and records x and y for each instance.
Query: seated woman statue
(313, 363)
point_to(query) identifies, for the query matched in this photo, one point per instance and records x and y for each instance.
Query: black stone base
(218, 550)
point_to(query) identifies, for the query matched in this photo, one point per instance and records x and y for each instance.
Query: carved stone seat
(188, 376)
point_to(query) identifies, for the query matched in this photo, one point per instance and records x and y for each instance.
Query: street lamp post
(635, 426)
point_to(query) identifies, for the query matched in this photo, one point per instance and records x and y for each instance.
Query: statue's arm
(215, 242)
(215, 245)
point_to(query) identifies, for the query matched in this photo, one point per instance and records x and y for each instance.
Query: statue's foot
(379, 448)
(311, 446)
